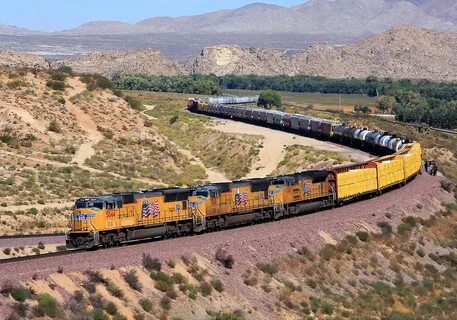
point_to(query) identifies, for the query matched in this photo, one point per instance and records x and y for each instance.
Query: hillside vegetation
(231, 154)
(61, 138)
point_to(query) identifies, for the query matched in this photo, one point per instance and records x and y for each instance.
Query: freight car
(110, 220)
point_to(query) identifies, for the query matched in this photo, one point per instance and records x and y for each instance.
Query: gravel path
(262, 242)
(31, 241)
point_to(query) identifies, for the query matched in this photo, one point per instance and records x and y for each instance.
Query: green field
(330, 99)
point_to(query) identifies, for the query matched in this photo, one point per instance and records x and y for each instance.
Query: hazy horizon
(54, 15)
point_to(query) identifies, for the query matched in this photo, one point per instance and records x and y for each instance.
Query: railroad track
(40, 256)
(34, 235)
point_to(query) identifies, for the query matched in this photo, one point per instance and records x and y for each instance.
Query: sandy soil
(93, 136)
(274, 143)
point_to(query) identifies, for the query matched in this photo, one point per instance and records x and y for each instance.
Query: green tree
(269, 99)
(385, 103)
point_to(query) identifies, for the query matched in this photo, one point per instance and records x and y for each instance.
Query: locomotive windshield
(89, 203)
(201, 193)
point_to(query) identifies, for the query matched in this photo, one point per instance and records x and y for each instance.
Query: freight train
(110, 220)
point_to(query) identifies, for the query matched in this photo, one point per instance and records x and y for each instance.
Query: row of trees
(411, 101)
(181, 84)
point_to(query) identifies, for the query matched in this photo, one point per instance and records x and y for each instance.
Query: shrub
(111, 308)
(65, 69)
(89, 286)
(19, 294)
(7, 251)
(96, 277)
(133, 102)
(56, 85)
(118, 93)
(33, 211)
(217, 284)
(165, 303)
(363, 236)
(206, 289)
(179, 278)
(328, 308)
(118, 316)
(151, 264)
(327, 252)
(21, 309)
(269, 268)
(78, 296)
(386, 228)
(48, 306)
(411, 221)
(98, 314)
(193, 292)
(114, 289)
(97, 301)
(132, 280)
(404, 228)
(146, 304)
(224, 258)
(163, 282)
(311, 283)
(304, 251)
(54, 126)
(61, 248)
(171, 263)
(7, 288)
(95, 81)
(420, 252)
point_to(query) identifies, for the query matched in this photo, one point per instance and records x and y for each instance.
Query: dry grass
(299, 158)
(231, 154)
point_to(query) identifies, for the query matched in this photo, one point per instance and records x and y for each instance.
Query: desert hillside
(403, 52)
(21, 60)
(109, 64)
(64, 136)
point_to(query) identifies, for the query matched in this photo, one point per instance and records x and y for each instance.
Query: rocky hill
(144, 61)
(21, 60)
(403, 52)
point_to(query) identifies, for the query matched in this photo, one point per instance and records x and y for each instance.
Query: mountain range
(317, 17)
(402, 52)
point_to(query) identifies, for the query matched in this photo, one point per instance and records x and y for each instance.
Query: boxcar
(356, 182)
(390, 171)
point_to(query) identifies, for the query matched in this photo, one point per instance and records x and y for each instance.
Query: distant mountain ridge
(327, 17)
(402, 52)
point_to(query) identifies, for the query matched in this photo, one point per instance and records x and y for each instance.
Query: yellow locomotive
(112, 219)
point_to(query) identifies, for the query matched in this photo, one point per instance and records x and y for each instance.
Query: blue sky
(65, 14)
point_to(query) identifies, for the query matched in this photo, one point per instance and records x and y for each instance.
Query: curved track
(255, 243)
(267, 240)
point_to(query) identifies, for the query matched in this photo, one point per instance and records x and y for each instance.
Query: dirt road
(272, 152)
